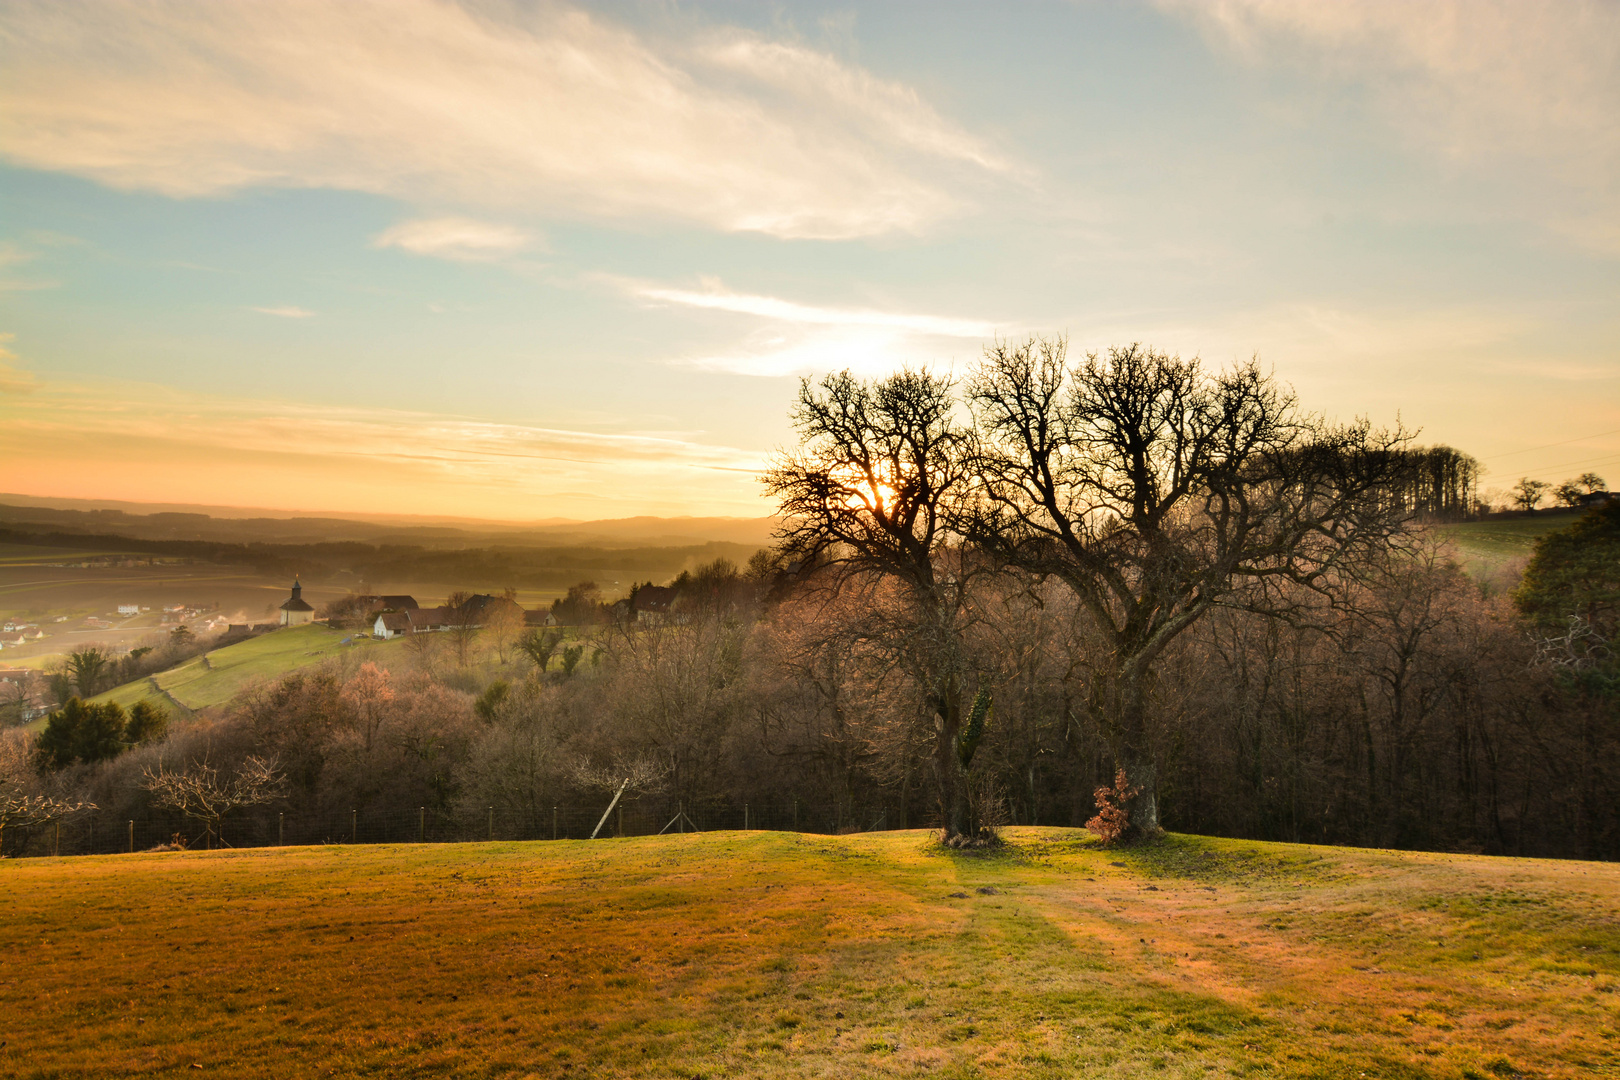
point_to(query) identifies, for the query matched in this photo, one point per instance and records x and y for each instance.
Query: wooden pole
(57, 844)
(554, 823)
(745, 817)
(492, 824)
(421, 823)
(354, 826)
(281, 830)
(609, 810)
(132, 836)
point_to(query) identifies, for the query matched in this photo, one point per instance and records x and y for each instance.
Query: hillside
(1487, 547)
(786, 955)
(241, 525)
(218, 676)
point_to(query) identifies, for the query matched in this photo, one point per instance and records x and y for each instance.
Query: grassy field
(1486, 548)
(781, 955)
(216, 677)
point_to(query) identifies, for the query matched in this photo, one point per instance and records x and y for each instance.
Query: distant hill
(241, 525)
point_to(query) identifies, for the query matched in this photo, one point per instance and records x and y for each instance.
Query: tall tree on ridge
(874, 496)
(1157, 491)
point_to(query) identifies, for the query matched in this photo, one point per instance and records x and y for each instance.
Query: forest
(1058, 585)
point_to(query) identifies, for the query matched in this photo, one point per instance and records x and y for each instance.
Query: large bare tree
(874, 497)
(1157, 490)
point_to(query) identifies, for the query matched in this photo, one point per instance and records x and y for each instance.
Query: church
(296, 612)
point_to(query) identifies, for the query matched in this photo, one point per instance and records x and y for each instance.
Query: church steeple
(296, 611)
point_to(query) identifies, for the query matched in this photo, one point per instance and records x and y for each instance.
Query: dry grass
(777, 955)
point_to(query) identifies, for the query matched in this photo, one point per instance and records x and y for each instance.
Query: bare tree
(200, 793)
(1527, 493)
(425, 645)
(19, 806)
(1574, 492)
(1157, 491)
(875, 492)
(462, 614)
(505, 626)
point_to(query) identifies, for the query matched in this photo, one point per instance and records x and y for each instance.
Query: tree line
(992, 599)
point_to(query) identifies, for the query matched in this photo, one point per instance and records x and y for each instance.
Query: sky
(525, 260)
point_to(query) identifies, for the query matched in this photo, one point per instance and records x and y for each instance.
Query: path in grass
(780, 955)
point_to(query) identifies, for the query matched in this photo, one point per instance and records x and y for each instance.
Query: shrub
(1112, 820)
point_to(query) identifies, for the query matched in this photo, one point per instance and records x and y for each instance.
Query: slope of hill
(784, 955)
(218, 676)
(1487, 547)
(243, 526)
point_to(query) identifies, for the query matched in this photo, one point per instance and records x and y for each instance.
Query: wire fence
(99, 834)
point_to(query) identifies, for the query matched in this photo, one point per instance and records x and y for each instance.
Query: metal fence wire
(100, 834)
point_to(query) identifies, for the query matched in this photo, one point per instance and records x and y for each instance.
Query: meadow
(753, 954)
(1495, 550)
(218, 676)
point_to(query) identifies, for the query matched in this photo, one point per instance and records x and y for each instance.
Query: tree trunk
(948, 772)
(1133, 754)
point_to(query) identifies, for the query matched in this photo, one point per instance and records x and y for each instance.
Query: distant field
(30, 553)
(779, 955)
(1487, 547)
(31, 587)
(216, 677)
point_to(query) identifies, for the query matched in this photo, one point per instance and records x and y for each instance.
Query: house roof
(427, 618)
(398, 603)
(296, 604)
(395, 621)
(654, 598)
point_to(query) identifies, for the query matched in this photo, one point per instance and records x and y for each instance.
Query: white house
(129, 609)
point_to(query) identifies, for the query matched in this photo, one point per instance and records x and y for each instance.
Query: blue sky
(529, 260)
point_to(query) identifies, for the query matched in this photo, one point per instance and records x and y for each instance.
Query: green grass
(216, 677)
(779, 955)
(1485, 547)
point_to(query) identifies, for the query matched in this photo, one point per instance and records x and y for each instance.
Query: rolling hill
(778, 955)
(218, 676)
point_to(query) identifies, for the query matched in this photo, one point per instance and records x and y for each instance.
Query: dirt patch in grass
(778, 955)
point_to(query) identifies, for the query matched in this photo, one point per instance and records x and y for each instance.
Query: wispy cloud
(790, 338)
(1472, 80)
(548, 109)
(458, 238)
(13, 380)
(166, 444)
(12, 255)
(288, 312)
(718, 298)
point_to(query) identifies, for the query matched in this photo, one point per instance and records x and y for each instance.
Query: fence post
(56, 845)
(554, 823)
(132, 836)
(492, 824)
(421, 823)
(795, 813)
(354, 826)
(281, 830)
(745, 817)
